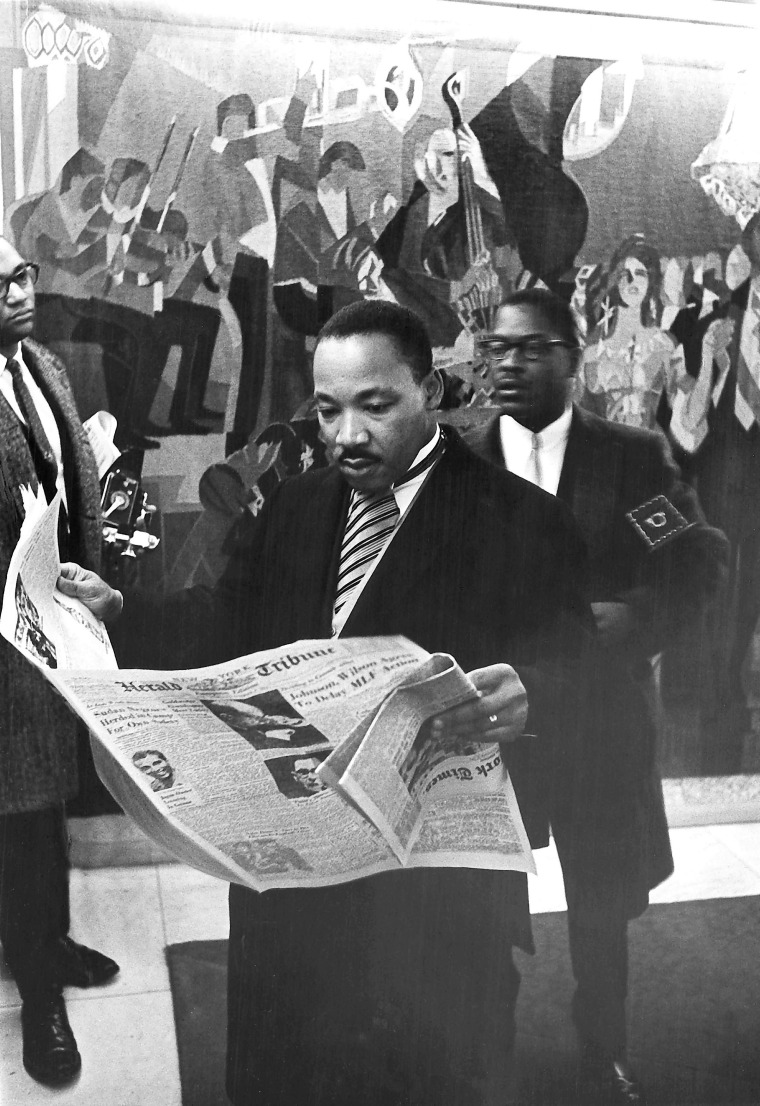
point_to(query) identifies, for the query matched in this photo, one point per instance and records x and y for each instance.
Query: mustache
(354, 455)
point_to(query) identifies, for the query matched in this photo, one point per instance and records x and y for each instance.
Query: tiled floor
(125, 1031)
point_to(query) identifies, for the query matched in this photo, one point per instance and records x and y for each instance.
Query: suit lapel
(590, 475)
(576, 460)
(17, 462)
(323, 519)
(79, 466)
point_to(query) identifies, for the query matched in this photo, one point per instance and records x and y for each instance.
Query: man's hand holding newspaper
(99, 597)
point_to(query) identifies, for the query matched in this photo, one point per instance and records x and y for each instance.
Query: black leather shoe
(77, 966)
(50, 1051)
(605, 1080)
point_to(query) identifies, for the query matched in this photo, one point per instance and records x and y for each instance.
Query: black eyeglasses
(492, 347)
(25, 276)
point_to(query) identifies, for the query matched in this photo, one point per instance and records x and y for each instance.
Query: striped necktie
(40, 448)
(371, 520)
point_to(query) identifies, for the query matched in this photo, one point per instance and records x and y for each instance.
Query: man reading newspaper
(400, 987)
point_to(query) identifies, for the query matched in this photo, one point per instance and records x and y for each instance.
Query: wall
(201, 192)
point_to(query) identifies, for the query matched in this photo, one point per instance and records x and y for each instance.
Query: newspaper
(433, 804)
(51, 629)
(302, 766)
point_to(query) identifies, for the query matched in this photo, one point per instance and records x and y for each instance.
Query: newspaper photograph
(306, 765)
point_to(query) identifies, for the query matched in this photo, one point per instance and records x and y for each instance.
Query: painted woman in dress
(629, 361)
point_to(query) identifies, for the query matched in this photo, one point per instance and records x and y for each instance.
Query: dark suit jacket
(612, 812)
(37, 730)
(487, 568)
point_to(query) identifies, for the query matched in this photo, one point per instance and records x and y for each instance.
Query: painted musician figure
(447, 252)
(412, 995)
(42, 443)
(655, 563)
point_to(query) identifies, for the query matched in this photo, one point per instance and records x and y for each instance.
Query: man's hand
(498, 714)
(104, 601)
(615, 622)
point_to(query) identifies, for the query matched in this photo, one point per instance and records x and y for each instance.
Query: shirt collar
(405, 490)
(423, 453)
(550, 437)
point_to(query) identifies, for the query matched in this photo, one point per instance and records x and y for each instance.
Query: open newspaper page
(436, 805)
(218, 764)
(221, 765)
(50, 629)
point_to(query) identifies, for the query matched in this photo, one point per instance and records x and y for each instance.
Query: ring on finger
(493, 719)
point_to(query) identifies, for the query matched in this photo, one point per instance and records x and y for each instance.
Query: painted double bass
(477, 295)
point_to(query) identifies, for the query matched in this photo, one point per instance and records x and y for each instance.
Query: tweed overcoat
(37, 730)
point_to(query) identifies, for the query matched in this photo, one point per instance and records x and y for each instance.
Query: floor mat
(694, 1009)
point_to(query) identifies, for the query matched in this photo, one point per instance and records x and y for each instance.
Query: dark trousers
(601, 896)
(397, 990)
(34, 893)
(599, 956)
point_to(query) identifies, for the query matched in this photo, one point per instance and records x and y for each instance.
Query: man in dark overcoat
(399, 988)
(654, 563)
(42, 445)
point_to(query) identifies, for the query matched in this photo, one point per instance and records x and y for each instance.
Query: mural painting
(200, 199)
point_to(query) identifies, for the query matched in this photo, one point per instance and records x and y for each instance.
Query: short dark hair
(340, 151)
(405, 329)
(555, 311)
(142, 753)
(239, 104)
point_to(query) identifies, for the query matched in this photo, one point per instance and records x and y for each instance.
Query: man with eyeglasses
(655, 563)
(42, 443)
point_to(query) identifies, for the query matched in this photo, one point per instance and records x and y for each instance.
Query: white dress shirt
(517, 444)
(47, 418)
(404, 495)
